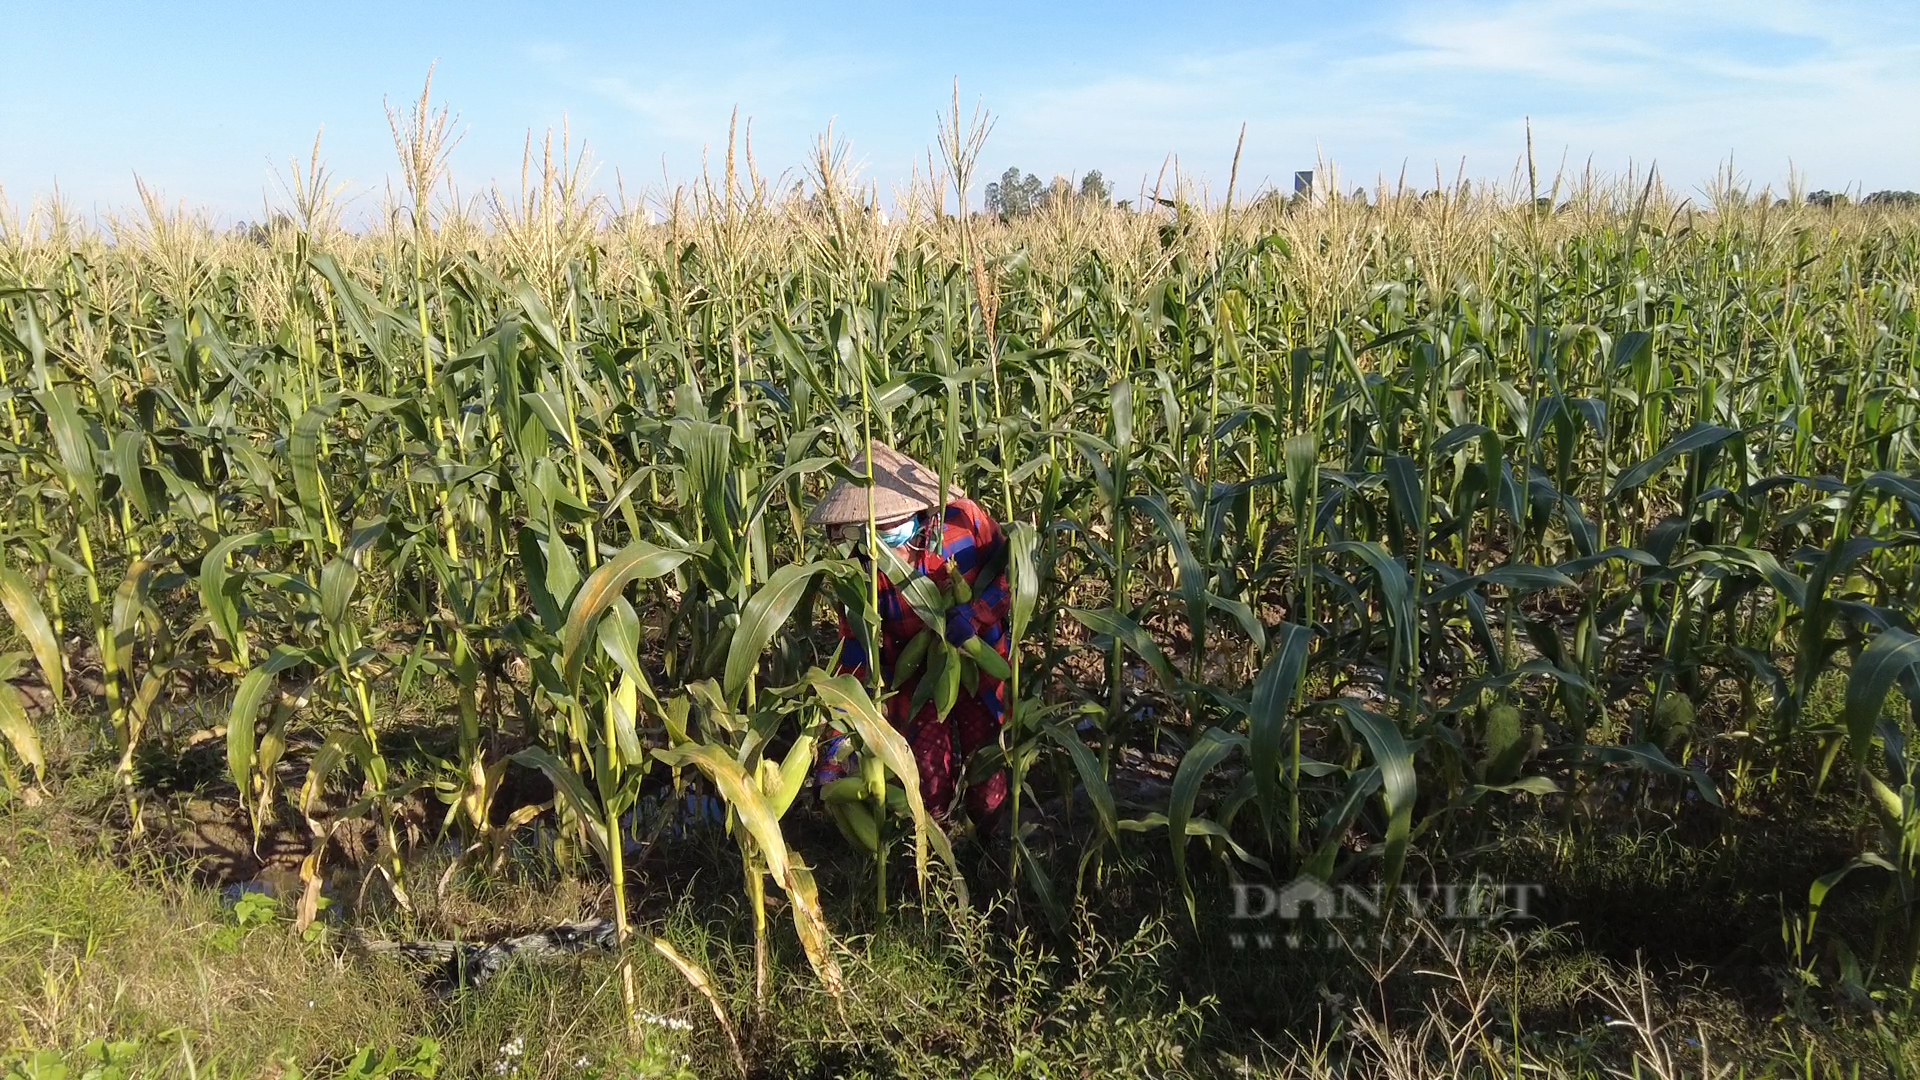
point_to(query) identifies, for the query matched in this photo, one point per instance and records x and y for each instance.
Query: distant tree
(1891, 199)
(1014, 195)
(1017, 194)
(996, 198)
(261, 232)
(1095, 189)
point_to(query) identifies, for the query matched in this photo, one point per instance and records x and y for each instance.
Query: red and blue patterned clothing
(971, 544)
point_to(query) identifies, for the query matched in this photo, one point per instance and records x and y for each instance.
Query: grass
(107, 938)
(95, 946)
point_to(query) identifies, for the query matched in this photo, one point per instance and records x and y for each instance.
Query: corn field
(1364, 516)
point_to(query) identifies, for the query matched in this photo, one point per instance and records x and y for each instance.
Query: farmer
(905, 503)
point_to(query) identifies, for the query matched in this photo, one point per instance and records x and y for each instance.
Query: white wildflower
(509, 1050)
(672, 1023)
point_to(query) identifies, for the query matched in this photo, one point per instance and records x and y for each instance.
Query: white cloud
(1833, 87)
(683, 100)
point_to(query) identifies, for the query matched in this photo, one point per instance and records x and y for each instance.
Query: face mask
(900, 535)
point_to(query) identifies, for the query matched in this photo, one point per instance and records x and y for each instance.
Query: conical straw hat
(901, 486)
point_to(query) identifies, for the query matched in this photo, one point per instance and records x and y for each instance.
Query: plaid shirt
(972, 541)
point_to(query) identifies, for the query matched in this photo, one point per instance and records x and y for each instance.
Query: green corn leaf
(1891, 654)
(1469, 693)
(1209, 750)
(563, 570)
(1791, 586)
(218, 596)
(1893, 808)
(1396, 589)
(568, 785)
(1088, 768)
(252, 693)
(1274, 691)
(72, 443)
(247, 700)
(126, 448)
(624, 712)
(742, 795)
(847, 700)
(760, 620)
(1023, 577)
(1526, 785)
(619, 635)
(352, 303)
(19, 730)
(35, 345)
(1404, 493)
(1517, 578)
(30, 619)
(1398, 785)
(1120, 394)
(1631, 348)
(1900, 487)
(1458, 436)
(1096, 451)
(1242, 614)
(303, 452)
(1826, 883)
(539, 319)
(1192, 579)
(778, 484)
(339, 578)
(1336, 821)
(303, 448)
(919, 591)
(1198, 827)
(550, 407)
(1697, 437)
(707, 455)
(1575, 567)
(1648, 758)
(132, 599)
(340, 745)
(1476, 609)
(1133, 636)
(636, 561)
(533, 560)
(1303, 469)
(1033, 871)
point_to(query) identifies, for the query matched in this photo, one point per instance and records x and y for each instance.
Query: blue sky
(204, 100)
